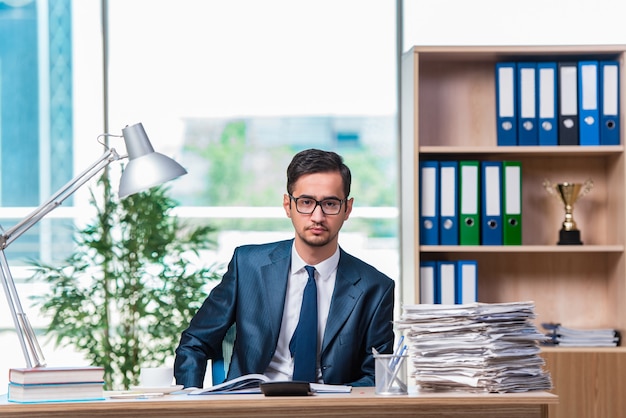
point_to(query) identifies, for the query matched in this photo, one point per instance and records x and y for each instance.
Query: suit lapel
(274, 277)
(345, 297)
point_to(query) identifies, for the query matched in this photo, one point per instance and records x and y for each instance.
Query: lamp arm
(58, 198)
(30, 346)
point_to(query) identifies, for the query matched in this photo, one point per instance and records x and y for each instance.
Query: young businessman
(262, 292)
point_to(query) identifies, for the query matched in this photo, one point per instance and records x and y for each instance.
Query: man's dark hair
(312, 161)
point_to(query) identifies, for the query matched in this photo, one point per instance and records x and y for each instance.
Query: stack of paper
(570, 337)
(475, 347)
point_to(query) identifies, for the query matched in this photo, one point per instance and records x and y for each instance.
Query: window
(230, 89)
(234, 89)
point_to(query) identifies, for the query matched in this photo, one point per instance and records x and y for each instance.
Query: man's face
(318, 229)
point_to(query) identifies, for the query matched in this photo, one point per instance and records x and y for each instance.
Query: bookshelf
(448, 111)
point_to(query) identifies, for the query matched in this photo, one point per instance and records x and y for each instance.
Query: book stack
(55, 384)
(475, 347)
(571, 337)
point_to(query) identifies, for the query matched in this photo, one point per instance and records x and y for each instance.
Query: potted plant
(130, 286)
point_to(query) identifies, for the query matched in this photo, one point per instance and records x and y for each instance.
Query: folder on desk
(546, 96)
(428, 281)
(512, 203)
(506, 106)
(429, 202)
(491, 199)
(448, 193)
(609, 103)
(469, 218)
(446, 275)
(588, 103)
(527, 99)
(568, 103)
(467, 282)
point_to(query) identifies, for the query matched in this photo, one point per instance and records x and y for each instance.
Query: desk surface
(362, 402)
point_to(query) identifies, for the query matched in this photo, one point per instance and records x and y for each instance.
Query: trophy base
(569, 237)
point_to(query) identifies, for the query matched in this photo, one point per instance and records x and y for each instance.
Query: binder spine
(512, 203)
(609, 103)
(546, 108)
(588, 112)
(467, 282)
(527, 98)
(448, 193)
(469, 185)
(447, 277)
(568, 103)
(428, 281)
(491, 195)
(506, 106)
(429, 203)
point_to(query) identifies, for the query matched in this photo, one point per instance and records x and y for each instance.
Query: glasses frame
(317, 203)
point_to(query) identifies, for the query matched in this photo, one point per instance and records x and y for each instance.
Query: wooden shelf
(518, 249)
(547, 151)
(448, 112)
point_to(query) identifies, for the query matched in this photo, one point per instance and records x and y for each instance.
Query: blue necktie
(303, 345)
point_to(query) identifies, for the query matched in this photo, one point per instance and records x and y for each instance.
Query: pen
(149, 395)
(399, 346)
(396, 353)
(396, 369)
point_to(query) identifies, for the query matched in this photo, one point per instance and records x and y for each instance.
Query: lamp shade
(146, 168)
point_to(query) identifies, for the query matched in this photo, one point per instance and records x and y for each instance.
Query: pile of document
(475, 347)
(570, 337)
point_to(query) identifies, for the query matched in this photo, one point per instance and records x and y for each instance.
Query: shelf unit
(448, 111)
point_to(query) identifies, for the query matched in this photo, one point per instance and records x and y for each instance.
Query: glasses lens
(306, 205)
(331, 206)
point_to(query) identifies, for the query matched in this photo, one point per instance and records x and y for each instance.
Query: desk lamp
(145, 169)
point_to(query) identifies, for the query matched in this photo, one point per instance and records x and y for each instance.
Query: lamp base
(569, 237)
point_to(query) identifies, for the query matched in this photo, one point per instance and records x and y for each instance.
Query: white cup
(156, 377)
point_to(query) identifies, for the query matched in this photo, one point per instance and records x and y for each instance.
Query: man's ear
(348, 210)
(287, 205)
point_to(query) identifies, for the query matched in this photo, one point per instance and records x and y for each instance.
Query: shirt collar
(324, 269)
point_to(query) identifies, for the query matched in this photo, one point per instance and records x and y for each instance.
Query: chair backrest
(219, 366)
(218, 371)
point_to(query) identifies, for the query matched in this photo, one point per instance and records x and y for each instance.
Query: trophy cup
(568, 194)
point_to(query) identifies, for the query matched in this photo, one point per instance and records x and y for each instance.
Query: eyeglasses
(307, 205)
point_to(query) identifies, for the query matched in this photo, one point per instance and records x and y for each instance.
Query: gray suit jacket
(252, 296)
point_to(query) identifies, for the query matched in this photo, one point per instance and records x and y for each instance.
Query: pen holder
(391, 374)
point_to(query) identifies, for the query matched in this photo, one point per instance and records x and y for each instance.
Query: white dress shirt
(281, 366)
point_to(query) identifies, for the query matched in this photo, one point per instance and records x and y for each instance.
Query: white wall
(505, 22)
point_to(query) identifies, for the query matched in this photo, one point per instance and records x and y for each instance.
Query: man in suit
(262, 291)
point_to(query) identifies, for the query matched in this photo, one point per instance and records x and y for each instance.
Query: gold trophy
(568, 194)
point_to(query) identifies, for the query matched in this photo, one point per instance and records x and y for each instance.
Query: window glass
(35, 118)
(231, 89)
